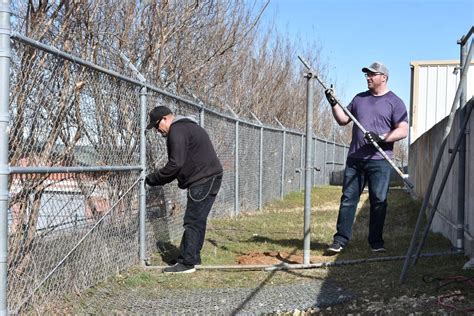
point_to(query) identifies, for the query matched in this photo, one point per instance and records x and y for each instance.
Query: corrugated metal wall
(433, 89)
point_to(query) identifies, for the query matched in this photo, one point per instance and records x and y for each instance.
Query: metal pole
(283, 151)
(142, 189)
(357, 123)
(314, 172)
(142, 237)
(435, 168)
(5, 55)
(260, 164)
(324, 162)
(236, 168)
(301, 162)
(260, 171)
(343, 156)
(462, 157)
(308, 170)
(236, 163)
(333, 149)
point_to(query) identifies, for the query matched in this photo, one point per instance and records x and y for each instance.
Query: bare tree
(215, 50)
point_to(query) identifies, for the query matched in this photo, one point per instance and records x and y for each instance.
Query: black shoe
(335, 247)
(179, 268)
(378, 249)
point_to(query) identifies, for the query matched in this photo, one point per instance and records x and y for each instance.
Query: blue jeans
(201, 197)
(376, 173)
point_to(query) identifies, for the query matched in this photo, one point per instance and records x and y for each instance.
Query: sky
(355, 33)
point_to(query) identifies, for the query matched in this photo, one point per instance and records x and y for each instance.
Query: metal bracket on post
(132, 67)
(281, 125)
(232, 111)
(300, 170)
(256, 119)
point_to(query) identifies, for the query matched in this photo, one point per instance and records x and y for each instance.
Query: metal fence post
(333, 151)
(308, 170)
(260, 164)
(5, 55)
(283, 151)
(142, 193)
(143, 114)
(325, 161)
(313, 162)
(236, 164)
(302, 162)
(344, 155)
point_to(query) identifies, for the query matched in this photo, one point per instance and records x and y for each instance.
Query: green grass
(279, 229)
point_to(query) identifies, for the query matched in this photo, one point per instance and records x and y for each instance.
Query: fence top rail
(35, 170)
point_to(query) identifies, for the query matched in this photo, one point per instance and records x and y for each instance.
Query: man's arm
(341, 117)
(399, 132)
(177, 151)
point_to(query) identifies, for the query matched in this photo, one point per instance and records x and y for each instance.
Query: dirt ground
(453, 301)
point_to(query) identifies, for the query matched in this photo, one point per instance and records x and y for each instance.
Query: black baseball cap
(155, 115)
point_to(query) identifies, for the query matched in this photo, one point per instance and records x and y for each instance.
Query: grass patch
(278, 231)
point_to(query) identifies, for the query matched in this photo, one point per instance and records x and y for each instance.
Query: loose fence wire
(64, 114)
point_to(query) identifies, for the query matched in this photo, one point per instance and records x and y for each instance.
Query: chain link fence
(75, 171)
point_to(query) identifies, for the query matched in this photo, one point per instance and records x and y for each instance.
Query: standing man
(384, 116)
(193, 161)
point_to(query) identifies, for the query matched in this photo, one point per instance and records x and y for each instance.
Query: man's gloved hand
(372, 137)
(330, 96)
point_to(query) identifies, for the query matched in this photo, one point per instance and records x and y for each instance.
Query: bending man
(193, 161)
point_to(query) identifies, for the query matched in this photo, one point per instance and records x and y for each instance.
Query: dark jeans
(376, 173)
(201, 197)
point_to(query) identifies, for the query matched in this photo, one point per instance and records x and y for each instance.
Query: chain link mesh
(249, 160)
(293, 163)
(65, 115)
(70, 230)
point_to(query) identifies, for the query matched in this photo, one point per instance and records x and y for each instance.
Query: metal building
(433, 86)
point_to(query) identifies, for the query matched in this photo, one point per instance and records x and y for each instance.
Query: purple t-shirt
(377, 114)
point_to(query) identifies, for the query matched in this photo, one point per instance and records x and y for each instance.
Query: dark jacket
(191, 156)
